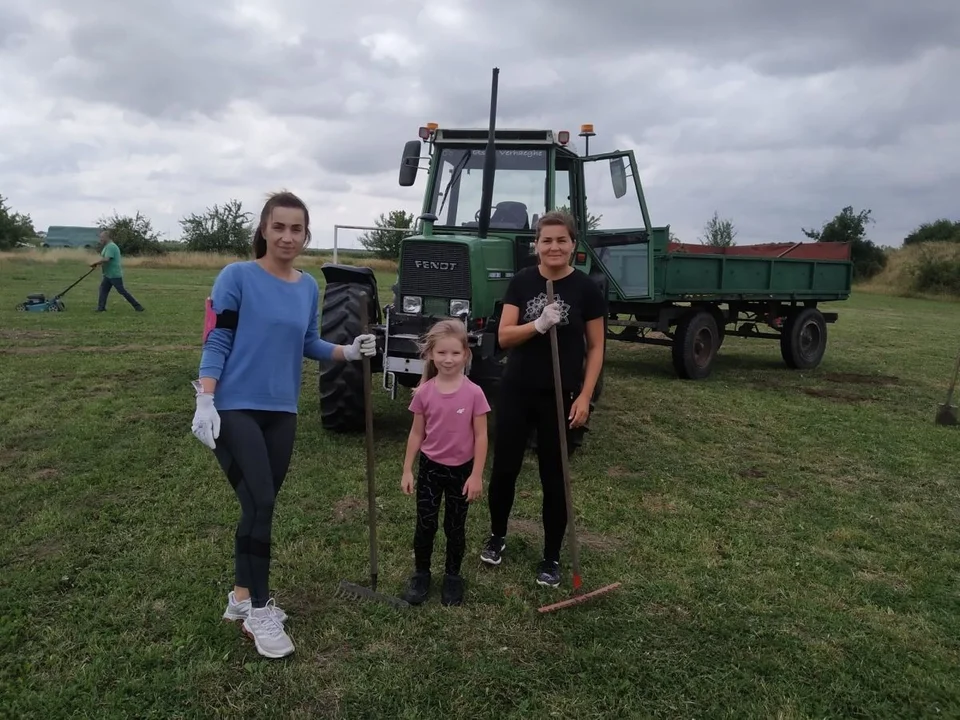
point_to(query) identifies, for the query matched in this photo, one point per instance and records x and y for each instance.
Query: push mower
(38, 301)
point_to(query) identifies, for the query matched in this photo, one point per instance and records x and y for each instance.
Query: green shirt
(111, 268)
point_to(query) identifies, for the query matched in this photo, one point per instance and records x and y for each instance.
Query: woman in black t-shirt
(527, 395)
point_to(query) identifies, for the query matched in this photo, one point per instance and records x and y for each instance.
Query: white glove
(362, 345)
(548, 318)
(206, 420)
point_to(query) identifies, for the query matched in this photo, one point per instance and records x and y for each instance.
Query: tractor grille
(438, 269)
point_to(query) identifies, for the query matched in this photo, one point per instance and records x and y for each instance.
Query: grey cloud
(779, 38)
(771, 113)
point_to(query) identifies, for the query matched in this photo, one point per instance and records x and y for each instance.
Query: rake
(578, 598)
(348, 589)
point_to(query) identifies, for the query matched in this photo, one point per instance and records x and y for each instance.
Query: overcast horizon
(774, 116)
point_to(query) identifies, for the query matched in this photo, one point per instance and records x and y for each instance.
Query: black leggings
(254, 450)
(519, 411)
(434, 483)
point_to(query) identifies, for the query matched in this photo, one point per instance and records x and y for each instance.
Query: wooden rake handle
(564, 459)
(368, 412)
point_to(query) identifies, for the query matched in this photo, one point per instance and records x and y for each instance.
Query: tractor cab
(485, 191)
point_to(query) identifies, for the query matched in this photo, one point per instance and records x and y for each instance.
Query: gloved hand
(548, 318)
(206, 420)
(362, 345)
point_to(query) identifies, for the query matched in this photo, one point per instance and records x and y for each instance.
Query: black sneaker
(417, 587)
(452, 593)
(548, 573)
(492, 550)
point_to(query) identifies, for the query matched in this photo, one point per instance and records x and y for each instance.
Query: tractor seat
(37, 296)
(510, 215)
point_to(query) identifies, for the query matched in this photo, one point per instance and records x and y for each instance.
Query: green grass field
(787, 542)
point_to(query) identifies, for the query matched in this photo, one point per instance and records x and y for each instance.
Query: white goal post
(337, 228)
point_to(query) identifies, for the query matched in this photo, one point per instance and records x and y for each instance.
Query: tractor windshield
(519, 190)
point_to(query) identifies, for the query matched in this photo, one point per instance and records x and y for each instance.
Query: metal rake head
(352, 591)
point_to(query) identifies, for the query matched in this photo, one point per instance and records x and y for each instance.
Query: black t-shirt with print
(529, 365)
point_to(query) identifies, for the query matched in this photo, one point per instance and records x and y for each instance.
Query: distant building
(71, 236)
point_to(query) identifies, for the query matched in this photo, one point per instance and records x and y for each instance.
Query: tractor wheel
(341, 384)
(695, 345)
(803, 339)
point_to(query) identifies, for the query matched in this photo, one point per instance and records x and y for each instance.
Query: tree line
(228, 229)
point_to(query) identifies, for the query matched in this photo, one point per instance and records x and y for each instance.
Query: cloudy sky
(775, 114)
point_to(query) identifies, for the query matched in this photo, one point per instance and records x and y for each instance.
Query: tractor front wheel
(803, 339)
(695, 344)
(341, 383)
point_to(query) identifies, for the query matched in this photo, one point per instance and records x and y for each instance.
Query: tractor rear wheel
(695, 344)
(341, 383)
(803, 339)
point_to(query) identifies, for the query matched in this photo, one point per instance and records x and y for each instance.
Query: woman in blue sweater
(260, 322)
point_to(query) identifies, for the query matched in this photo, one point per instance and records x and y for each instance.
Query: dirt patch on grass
(657, 503)
(347, 507)
(533, 529)
(26, 334)
(45, 474)
(837, 395)
(9, 457)
(752, 473)
(861, 379)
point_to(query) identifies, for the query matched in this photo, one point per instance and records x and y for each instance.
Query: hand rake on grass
(571, 520)
(348, 589)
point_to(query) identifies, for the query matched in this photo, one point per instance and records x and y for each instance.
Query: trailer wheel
(341, 384)
(803, 339)
(695, 345)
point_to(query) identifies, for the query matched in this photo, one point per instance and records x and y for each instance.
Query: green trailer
(486, 189)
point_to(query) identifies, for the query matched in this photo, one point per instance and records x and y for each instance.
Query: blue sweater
(259, 365)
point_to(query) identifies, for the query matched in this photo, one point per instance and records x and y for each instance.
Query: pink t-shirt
(448, 420)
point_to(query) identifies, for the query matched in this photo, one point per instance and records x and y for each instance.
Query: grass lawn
(787, 542)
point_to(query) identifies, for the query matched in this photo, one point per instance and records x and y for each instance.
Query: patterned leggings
(434, 481)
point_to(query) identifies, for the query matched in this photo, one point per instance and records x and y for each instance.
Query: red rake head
(579, 598)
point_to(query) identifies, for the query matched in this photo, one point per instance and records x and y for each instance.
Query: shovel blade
(947, 415)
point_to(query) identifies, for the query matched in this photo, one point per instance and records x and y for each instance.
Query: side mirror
(409, 163)
(618, 176)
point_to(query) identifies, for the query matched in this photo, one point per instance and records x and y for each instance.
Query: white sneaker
(264, 626)
(239, 610)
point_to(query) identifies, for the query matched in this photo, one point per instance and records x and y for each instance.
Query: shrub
(936, 269)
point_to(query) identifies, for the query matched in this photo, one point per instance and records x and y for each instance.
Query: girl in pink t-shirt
(450, 432)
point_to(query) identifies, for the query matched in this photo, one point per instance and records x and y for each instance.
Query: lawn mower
(39, 303)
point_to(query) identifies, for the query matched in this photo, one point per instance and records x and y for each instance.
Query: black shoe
(492, 550)
(452, 593)
(417, 587)
(548, 573)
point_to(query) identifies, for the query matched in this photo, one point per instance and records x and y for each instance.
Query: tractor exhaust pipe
(489, 163)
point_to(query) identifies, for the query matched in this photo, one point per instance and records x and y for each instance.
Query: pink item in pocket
(209, 319)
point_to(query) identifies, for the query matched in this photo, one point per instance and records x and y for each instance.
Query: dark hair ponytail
(279, 199)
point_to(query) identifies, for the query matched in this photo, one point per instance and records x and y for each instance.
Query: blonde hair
(442, 329)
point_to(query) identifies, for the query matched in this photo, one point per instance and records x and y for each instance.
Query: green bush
(936, 270)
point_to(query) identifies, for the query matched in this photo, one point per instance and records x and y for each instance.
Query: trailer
(486, 189)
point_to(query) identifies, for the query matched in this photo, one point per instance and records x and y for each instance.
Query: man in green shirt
(112, 273)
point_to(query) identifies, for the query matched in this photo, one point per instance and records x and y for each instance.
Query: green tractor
(486, 189)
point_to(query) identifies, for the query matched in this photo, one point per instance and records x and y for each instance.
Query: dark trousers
(436, 483)
(518, 412)
(117, 283)
(254, 450)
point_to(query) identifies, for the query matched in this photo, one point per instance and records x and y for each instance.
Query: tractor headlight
(459, 307)
(412, 304)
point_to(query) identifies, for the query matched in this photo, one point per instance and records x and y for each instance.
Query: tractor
(486, 189)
